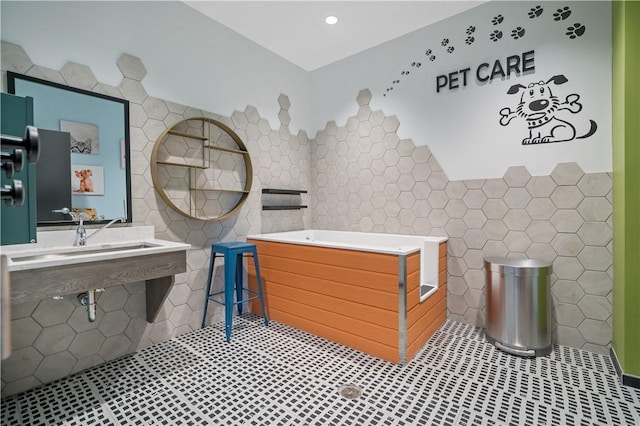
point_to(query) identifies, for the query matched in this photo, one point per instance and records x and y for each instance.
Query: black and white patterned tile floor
(282, 376)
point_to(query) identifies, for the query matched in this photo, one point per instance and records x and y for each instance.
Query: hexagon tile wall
(367, 179)
(53, 338)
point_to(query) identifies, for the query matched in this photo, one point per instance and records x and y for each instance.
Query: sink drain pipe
(88, 299)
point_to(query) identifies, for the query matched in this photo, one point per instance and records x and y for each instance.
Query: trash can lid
(513, 265)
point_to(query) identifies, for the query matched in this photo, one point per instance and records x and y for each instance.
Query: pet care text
(515, 64)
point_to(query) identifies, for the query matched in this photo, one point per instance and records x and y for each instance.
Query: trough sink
(49, 270)
(78, 252)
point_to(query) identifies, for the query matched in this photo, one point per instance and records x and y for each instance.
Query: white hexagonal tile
(132, 90)
(517, 241)
(595, 209)
(495, 229)
(474, 259)
(52, 312)
(114, 323)
(55, 367)
(494, 188)
(595, 307)
(541, 209)
(390, 124)
(567, 268)
(495, 208)
(155, 108)
(596, 282)
(475, 299)
(517, 198)
(541, 186)
(567, 244)
(595, 258)
(438, 180)
(283, 101)
(567, 174)
(495, 249)
(597, 332)
(567, 220)
(54, 339)
(79, 76)
(567, 197)
(14, 58)
(595, 233)
(568, 315)
(86, 344)
(566, 291)
(474, 219)
(364, 97)
(474, 198)
(457, 286)
(517, 219)
(456, 190)
(569, 336)
(456, 247)
(595, 184)
(541, 231)
(456, 304)
(541, 251)
(131, 67)
(456, 209)
(455, 228)
(24, 332)
(113, 298)
(517, 176)
(115, 347)
(475, 238)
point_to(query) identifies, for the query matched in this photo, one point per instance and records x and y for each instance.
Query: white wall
(461, 126)
(190, 59)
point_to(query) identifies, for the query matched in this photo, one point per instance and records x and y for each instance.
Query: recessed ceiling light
(331, 20)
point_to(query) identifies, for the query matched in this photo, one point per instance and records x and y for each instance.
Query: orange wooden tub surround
(365, 300)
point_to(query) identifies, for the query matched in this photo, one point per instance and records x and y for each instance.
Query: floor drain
(350, 391)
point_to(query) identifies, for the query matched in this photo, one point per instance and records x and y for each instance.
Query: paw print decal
(445, 42)
(562, 14)
(535, 12)
(496, 35)
(470, 40)
(432, 58)
(576, 30)
(471, 30)
(450, 49)
(517, 33)
(497, 20)
(416, 64)
(428, 52)
(404, 73)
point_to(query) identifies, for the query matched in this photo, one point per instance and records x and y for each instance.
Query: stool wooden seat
(233, 252)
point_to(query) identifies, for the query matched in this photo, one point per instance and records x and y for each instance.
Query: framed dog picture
(84, 137)
(87, 180)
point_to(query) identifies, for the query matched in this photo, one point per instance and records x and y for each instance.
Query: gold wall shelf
(201, 169)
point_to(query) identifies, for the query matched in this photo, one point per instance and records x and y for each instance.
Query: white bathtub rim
(397, 244)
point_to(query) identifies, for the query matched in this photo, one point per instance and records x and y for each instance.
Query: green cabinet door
(18, 223)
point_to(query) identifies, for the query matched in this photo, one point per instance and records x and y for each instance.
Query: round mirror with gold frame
(202, 169)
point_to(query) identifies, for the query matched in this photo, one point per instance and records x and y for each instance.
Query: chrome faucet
(81, 233)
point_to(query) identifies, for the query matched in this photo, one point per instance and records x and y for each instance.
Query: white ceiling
(296, 31)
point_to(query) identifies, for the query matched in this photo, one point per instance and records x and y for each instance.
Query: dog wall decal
(538, 106)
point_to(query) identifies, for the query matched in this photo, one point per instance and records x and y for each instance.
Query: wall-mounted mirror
(94, 166)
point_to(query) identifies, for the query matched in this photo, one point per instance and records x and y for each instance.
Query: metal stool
(233, 253)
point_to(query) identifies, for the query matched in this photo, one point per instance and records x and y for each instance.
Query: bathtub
(383, 294)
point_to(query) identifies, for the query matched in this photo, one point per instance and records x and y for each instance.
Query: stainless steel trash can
(518, 305)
